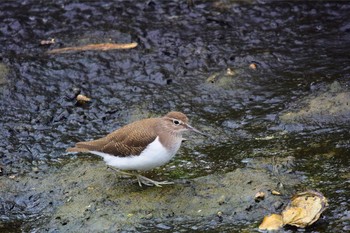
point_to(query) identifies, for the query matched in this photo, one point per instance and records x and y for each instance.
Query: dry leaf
(293, 214)
(271, 222)
(304, 209)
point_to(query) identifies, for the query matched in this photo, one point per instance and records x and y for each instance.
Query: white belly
(153, 156)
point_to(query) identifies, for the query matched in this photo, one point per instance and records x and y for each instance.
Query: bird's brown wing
(128, 140)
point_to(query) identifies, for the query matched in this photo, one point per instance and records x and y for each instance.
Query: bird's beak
(195, 130)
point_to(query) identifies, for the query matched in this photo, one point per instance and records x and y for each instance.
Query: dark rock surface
(197, 60)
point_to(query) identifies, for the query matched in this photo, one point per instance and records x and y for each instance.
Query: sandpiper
(141, 145)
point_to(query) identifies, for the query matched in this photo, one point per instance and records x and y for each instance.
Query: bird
(141, 145)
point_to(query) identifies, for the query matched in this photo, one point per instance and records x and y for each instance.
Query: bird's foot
(149, 182)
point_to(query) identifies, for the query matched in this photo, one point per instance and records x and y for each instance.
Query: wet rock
(85, 193)
(325, 108)
(296, 51)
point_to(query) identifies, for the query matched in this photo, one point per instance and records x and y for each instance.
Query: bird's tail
(82, 147)
(77, 149)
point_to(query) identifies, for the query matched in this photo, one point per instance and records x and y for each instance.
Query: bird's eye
(176, 122)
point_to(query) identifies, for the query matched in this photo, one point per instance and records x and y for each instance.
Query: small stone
(259, 196)
(220, 216)
(222, 200)
(274, 192)
(82, 99)
(230, 71)
(252, 66)
(163, 226)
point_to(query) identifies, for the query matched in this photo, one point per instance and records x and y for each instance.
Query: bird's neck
(170, 139)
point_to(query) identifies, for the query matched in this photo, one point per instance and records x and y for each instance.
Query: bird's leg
(142, 179)
(149, 182)
(121, 172)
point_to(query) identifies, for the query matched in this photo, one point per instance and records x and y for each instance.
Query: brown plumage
(133, 138)
(141, 145)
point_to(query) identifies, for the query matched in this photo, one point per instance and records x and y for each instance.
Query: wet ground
(284, 119)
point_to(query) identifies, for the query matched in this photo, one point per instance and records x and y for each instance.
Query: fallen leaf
(271, 222)
(304, 209)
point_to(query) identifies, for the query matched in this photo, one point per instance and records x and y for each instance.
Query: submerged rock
(84, 194)
(331, 107)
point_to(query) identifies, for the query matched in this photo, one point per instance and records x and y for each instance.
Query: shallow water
(299, 49)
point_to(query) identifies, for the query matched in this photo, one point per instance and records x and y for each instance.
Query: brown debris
(230, 72)
(274, 192)
(48, 42)
(259, 196)
(82, 99)
(272, 222)
(94, 47)
(252, 66)
(304, 209)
